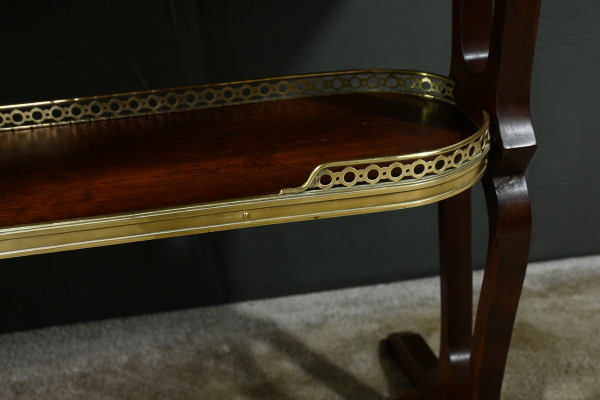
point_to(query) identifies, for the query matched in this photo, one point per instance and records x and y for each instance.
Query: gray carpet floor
(315, 346)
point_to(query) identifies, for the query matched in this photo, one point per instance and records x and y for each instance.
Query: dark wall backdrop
(67, 49)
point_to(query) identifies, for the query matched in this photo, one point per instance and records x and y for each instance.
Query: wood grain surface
(141, 163)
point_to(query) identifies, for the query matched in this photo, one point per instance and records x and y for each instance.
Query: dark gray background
(76, 48)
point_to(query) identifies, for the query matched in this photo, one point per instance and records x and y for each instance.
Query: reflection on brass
(88, 109)
(235, 214)
(333, 189)
(464, 165)
(400, 170)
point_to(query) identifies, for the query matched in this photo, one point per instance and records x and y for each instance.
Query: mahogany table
(97, 171)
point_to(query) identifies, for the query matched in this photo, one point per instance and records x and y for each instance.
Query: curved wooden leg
(508, 252)
(456, 277)
(471, 366)
(414, 356)
(430, 375)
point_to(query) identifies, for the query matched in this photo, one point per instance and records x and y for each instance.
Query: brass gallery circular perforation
(59, 112)
(399, 170)
(336, 188)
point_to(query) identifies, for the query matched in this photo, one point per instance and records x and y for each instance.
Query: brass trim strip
(92, 232)
(306, 205)
(88, 109)
(402, 169)
(402, 181)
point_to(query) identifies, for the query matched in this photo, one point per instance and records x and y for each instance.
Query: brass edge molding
(245, 204)
(271, 210)
(401, 170)
(421, 185)
(89, 109)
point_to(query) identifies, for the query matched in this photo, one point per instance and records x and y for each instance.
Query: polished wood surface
(136, 164)
(141, 163)
(446, 376)
(492, 58)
